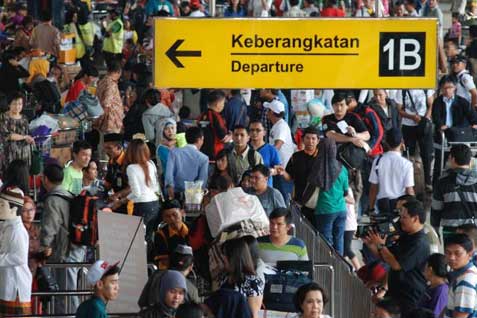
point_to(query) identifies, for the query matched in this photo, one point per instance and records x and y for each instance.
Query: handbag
(310, 201)
(46, 282)
(36, 161)
(424, 127)
(280, 289)
(351, 156)
(461, 134)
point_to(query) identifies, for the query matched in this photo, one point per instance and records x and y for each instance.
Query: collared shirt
(418, 97)
(167, 239)
(186, 164)
(465, 82)
(240, 161)
(448, 102)
(463, 292)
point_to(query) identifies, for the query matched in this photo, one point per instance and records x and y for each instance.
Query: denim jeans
(68, 279)
(150, 212)
(332, 226)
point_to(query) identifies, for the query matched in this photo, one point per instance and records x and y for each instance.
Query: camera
(383, 224)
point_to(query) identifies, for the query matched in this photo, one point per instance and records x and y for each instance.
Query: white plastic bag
(44, 120)
(233, 206)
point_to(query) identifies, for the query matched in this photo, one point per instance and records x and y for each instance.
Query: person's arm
(255, 304)
(278, 200)
(203, 172)
(50, 223)
(148, 124)
(430, 101)
(465, 298)
(375, 239)
(373, 193)
(134, 183)
(377, 130)
(19, 251)
(437, 206)
(473, 94)
(169, 177)
(278, 144)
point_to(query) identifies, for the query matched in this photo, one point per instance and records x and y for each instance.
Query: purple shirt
(435, 299)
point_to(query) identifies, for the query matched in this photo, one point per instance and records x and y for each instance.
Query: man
(414, 106)
(114, 38)
(454, 200)
(281, 138)
(269, 197)
(406, 258)
(88, 76)
(279, 246)
(104, 278)
(186, 164)
(435, 11)
(116, 178)
(470, 230)
(465, 81)
(54, 236)
(73, 174)
(462, 299)
(45, 36)
(386, 308)
(235, 110)
(410, 6)
(243, 157)
(449, 110)
(110, 99)
(269, 95)
(300, 165)
(270, 156)
(391, 175)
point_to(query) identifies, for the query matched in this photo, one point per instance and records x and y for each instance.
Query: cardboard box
(67, 56)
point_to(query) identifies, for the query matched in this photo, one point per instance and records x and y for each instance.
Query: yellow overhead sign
(295, 53)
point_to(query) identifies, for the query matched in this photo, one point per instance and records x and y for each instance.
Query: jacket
(375, 128)
(13, 74)
(390, 120)
(15, 276)
(462, 113)
(447, 208)
(55, 223)
(151, 116)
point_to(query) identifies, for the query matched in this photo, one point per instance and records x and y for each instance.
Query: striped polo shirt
(294, 250)
(463, 292)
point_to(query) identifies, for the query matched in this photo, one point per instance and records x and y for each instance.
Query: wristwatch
(380, 247)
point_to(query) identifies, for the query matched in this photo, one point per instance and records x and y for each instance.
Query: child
(170, 233)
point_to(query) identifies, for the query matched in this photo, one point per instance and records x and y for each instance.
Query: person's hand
(116, 205)
(374, 237)
(279, 170)
(113, 198)
(444, 127)
(351, 131)
(227, 138)
(29, 140)
(358, 142)
(13, 62)
(417, 118)
(48, 251)
(474, 126)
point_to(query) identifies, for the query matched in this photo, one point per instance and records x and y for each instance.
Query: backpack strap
(251, 157)
(376, 167)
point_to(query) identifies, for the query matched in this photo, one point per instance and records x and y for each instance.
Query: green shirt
(92, 308)
(333, 201)
(72, 180)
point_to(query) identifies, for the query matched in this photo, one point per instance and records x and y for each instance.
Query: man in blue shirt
(235, 110)
(187, 164)
(105, 279)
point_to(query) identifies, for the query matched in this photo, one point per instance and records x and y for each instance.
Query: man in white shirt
(281, 138)
(259, 8)
(391, 175)
(465, 82)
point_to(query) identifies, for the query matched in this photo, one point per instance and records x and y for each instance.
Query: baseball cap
(275, 106)
(14, 196)
(97, 271)
(183, 250)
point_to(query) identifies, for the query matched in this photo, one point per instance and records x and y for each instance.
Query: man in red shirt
(332, 10)
(85, 78)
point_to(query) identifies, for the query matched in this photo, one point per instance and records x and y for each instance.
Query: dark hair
(152, 97)
(17, 174)
(189, 310)
(193, 134)
(406, 197)
(420, 313)
(455, 14)
(214, 96)
(461, 154)
(27, 20)
(14, 96)
(114, 66)
(262, 169)
(111, 271)
(220, 183)
(448, 79)
(337, 98)
(389, 305)
(301, 293)
(438, 264)
(89, 163)
(415, 208)
(184, 112)
(45, 16)
(171, 204)
(459, 239)
(54, 173)
(294, 2)
(237, 127)
(79, 145)
(180, 262)
(91, 70)
(255, 121)
(279, 212)
(311, 130)
(240, 259)
(470, 230)
(454, 41)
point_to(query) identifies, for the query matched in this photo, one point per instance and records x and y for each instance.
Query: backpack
(365, 112)
(83, 226)
(47, 96)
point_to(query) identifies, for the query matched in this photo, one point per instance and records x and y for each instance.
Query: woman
(235, 9)
(129, 32)
(165, 140)
(222, 167)
(310, 299)
(171, 294)
(386, 109)
(14, 133)
(90, 178)
(242, 264)
(142, 176)
(332, 179)
(17, 176)
(436, 294)
(23, 34)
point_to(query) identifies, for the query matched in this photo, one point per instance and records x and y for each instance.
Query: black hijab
(326, 168)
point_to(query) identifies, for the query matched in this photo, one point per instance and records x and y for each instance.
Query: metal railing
(349, 297)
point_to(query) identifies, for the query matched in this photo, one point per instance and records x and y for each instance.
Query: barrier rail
(349, 297)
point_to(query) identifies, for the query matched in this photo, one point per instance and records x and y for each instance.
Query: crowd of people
(334, 157)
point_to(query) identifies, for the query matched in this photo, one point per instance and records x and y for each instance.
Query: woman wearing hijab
(332, 179)
(171, 295)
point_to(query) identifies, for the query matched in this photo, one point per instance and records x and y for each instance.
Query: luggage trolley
(446, 145)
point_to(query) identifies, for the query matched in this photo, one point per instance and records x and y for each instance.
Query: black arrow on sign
(173, 53)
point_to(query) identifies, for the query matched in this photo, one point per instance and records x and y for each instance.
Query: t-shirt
(419, 97)
(281, 131)
(332, 201)
(435, 299)
(330, 122)
(293, 250)
(299, 168)
(72, 180)
(270, 157)
(92, 308)
(271, 199)
(463, 292)
(74, 91)
(408, 285)
(465, 82)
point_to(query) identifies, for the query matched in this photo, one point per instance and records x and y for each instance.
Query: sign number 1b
(402, 54)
